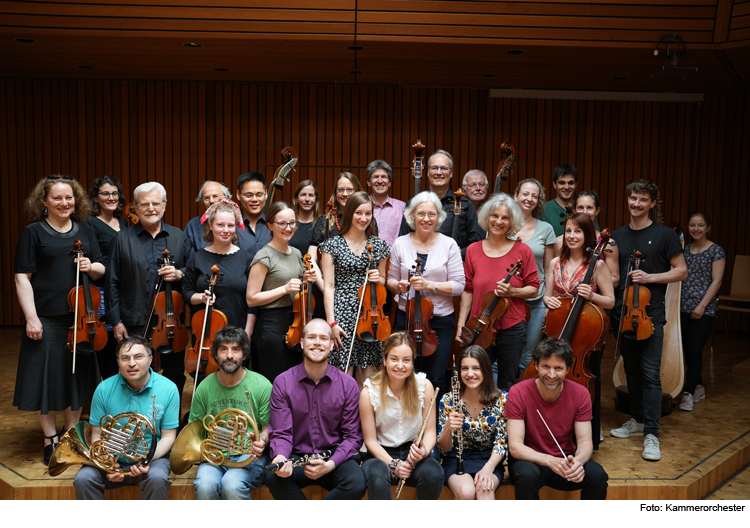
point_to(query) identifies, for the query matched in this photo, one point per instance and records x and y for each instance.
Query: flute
(458, 433)
(418, 439)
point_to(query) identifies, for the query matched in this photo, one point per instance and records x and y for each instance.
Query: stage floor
(705, 453)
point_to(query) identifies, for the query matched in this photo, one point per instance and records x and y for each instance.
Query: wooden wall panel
(181, 133)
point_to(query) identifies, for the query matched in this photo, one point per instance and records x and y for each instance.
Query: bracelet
(393, 464)
(490, 463)
(334, 324)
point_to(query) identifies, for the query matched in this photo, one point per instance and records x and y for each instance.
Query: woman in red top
(487, 264)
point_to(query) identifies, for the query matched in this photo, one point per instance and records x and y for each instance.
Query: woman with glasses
(345, 266)
(45, 271)
(276, 276)
(442, 277)
(107, 202)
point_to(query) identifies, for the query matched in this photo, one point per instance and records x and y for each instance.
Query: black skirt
(473, 461)
(45, 381)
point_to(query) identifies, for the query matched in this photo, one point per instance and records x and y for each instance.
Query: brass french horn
(122, 435)
(209, 439)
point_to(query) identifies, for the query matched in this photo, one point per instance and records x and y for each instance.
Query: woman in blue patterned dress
(705, 261)
(481, 418)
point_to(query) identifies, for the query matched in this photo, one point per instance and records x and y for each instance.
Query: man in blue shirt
(131, 391)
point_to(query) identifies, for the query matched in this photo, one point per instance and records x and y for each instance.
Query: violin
(417, 165)
(635, 323)
(373, 325)
(303, 306)
(507, 157)
(418, 315)
(330, 213)
(88, 333)
(130, 214)
(168, 334)
(290, 157)
(209, 321)
(580, 323)
(482, 325)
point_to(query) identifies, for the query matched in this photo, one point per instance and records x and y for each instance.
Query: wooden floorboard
(702, 450)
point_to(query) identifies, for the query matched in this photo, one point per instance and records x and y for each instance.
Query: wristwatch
(393, 464)
(434, 290)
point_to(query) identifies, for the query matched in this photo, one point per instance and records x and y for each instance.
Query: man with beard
(314, 409)
(222, 390)
(565, 181)
(537, 408)
(663, 262)
(131, 391)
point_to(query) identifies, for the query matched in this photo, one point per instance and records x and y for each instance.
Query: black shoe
(49, 449)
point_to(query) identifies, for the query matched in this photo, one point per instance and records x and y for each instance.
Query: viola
(290, 157)
(373, 325)
(482, 325)
(199, 360)
(303, 306)
(417, 165)
(418, 315)
(88, 333)
(168, 334)
(580, 323)
(635, 323)
(507, 158)
(130, 214)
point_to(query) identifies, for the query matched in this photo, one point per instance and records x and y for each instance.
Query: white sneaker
(651, 449)
(629, 428)
(699, 394)
(601, 435)
(686, 404)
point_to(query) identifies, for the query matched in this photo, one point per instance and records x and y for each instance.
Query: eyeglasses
(434, 168)
(250, 195)
(422, 216)
(137, 357)
(284, 225)
(152, 205)
(339, 190)
(105, 194)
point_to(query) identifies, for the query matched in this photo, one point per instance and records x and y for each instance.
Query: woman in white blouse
(392, 408)
(442, 278)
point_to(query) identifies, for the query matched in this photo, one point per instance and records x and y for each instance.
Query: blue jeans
(220, 482)
(435, 365)
(533, 332)
(642, 362)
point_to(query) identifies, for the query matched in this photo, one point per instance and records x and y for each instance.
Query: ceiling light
(192, 44)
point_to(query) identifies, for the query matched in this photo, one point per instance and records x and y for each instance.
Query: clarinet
(459, 433)
(301, 461)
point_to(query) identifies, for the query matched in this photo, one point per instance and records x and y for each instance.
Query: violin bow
(622, 310)
(75, 312)
(553, 436)
(215, 272)
(359, 309)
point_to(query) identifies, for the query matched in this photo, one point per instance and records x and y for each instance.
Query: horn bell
(186, 449)
(72, 449)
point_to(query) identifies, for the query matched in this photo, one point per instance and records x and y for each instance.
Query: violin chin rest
(367, 337)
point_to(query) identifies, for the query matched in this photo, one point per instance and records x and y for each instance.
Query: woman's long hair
(488, 391)
(357, 187)
(34, 205)
(106, 179)
(584, 222)
(354, 201)
(410, 397)
(295, 203)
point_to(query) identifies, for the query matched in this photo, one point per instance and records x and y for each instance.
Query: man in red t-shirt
(543, 415)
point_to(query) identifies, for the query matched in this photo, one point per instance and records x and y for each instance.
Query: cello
(209, 321)
(88, 333)
(580, 323)
(168, 334)
(373, 325)
(482, 325)
(303, 306)
(507, 158)
(130, 214)
(290, 157)
(418, 315)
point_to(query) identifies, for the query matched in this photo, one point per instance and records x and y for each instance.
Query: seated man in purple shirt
(387, 211)
(315, 408)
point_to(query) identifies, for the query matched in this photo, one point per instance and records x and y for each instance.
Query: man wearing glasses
(251, 195)
(135, 263)
(462, 229)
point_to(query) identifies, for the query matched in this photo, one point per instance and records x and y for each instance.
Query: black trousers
(273, 356)
(529, 478)
(172, 365)
(345, 482)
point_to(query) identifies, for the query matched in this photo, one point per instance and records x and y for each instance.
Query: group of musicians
(349, 411)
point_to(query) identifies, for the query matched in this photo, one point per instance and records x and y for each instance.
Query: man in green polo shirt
(131, 391)
(225, 389)
(565, 181)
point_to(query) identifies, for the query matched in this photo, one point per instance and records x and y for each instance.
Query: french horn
(216, 438)
(123, 435)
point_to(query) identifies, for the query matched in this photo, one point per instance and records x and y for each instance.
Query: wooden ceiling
(604, 45)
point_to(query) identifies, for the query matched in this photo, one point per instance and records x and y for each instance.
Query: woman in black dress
(306, 204)
(107, 202)
(45, 272)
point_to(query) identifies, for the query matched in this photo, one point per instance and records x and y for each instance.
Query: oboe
(301, 461)
(458, 434)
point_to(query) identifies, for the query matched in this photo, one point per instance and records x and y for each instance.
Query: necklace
(355, 247)
(64, 229)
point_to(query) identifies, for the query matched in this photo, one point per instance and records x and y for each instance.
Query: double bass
(290, 157)
(482, 325)
(168, 334)
(580, 323)
(199, 358)
(417, 165)
(88, 333)
(373, 325)
(507, 159)
(303, 306)
(418, 315)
